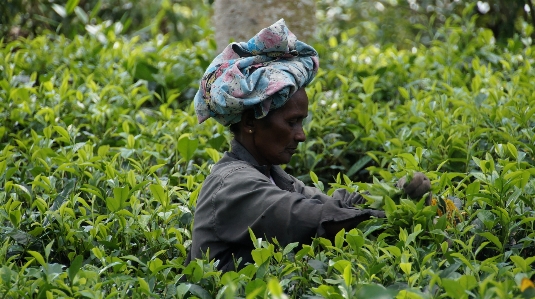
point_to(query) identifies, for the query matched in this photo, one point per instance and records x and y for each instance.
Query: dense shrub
(182, 20)
(101, 161)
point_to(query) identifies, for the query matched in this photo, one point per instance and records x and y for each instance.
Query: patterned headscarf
(261, 74)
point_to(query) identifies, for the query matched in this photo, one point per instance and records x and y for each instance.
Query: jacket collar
(281, 178)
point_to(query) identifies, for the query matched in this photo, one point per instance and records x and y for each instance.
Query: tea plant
(101, 162)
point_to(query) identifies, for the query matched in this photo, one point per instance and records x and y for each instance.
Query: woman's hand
(417, 187)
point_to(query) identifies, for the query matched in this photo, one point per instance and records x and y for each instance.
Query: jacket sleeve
(274, 213)
(350, 199)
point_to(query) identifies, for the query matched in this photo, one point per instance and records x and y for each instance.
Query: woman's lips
(291, 150)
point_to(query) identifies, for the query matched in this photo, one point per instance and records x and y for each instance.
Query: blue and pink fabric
(261, 74)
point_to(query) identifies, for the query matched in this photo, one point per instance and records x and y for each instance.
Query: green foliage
(414, 22)
(31, 18)
(101, 162)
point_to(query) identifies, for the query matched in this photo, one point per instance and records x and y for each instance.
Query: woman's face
(276, 136)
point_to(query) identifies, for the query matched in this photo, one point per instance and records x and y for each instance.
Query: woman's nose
(300, 135)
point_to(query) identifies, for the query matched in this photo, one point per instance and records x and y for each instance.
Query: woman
(257, 88)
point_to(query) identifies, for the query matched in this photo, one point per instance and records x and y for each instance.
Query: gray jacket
(238, 195)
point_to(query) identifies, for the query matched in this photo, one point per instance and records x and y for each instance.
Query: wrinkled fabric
(261, 74)
(238, 195)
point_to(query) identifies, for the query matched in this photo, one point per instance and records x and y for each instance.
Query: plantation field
(102, 159)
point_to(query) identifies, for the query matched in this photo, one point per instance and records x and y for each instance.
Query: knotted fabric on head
(261, 74)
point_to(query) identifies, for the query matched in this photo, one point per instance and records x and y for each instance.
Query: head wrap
(261, 74)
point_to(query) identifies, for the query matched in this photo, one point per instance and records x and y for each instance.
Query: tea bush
(102, 159)
(31, 18)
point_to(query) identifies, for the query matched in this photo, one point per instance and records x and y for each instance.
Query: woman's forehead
(297, 105)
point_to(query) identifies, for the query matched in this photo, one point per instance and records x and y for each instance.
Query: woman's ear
(248, 121)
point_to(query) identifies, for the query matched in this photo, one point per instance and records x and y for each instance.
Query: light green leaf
(375, 291)
(290, 247)
(61, 131)
(60, 10)
(348, 276)
(512, 149)
(339, 239)
(48, 248)
(404, 93)
(468, 282)
(213, 154)
(81, 14)
(154, 168)
(71, 4)
(274, 288)
(354, 240)
(313, 177)
(187, 146)
(38, 257)
(453, 288)
(492, 238)
(369, 84)
(406, 268)
(261, 255)
(143, 285)
(118, 201)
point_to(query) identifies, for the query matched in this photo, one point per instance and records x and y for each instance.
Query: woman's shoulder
(229, 165)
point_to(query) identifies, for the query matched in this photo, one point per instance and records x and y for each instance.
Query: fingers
(417, 187)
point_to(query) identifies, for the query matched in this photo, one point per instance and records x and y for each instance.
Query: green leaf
(468, 282)
(333, 42)
(143, 285)
(38, 257)
(313, 177)
(261, 255)
(404, 93)
(182, 289)
(254, 288)
(406, 268)
(359, 165)
(61, 131)
(187, 146)
(274, 288)
(256, 242)
(512, 149)
(389, 206)
(48, 248)
(15, 217)
(60, 10)
(194, 271)
(289, 248)
(375, 291)
(118, 201)
(327, 291)
(339, 239)
(135, 259)
(213, 154)
(3, 166)
(453, 288)
(369, 84)
(493, 239)
(354, 240)
(159, 194)
(348, 276)
(145, 71)
(71, 4)
(75, 266)
(155, 167)
(81, 14)
(472, 189)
